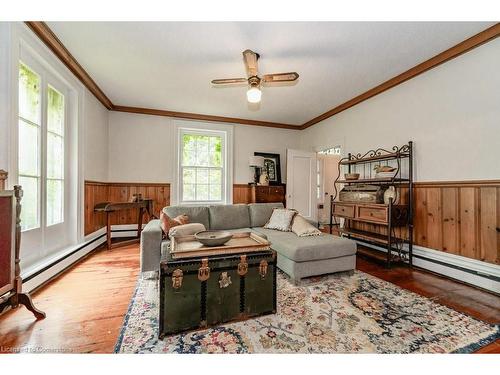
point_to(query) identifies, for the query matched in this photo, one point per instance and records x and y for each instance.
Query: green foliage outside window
(202, 167)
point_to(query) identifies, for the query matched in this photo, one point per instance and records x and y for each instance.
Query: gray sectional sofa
(299, 257)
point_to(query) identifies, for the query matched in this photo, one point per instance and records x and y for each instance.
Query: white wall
(451, 112)
(141, 148)
(95, 153)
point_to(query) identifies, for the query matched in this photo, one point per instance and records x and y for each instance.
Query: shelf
(374, 181)
(370, 236)
(390, 156)
(377, 255)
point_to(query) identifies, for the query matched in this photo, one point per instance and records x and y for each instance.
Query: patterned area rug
(331, 314)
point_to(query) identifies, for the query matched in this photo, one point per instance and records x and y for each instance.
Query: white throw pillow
(302, 228)
(186, 229)
(281, 219)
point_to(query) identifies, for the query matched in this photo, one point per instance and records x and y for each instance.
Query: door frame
(313, 203)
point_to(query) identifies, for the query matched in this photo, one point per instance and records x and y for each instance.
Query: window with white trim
(202, 166)
(40, 150)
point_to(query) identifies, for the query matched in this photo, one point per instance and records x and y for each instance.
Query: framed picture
(272, 165)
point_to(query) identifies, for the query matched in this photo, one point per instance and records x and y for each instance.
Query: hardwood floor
(85, 306)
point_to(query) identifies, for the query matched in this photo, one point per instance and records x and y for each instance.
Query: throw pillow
(302, 228)
(281, 219)
(186, 229)
(166, 222)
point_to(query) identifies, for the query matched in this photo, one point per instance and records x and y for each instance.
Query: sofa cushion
(303, 249)
(196, 214)
(229, 217)
(281, 219)
(186, 230)
(302, 228)
(261, 212)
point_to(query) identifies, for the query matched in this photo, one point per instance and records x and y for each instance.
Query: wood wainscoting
(461, 218)
(96, 192)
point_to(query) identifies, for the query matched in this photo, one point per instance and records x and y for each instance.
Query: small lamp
(256, 162)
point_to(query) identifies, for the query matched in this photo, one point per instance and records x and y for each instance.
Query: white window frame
(201, 128)
(23, 45)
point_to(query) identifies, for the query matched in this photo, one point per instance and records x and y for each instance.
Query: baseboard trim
(469, 271)
(36, 277)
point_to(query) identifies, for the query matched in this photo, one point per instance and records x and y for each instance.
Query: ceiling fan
(254, 81)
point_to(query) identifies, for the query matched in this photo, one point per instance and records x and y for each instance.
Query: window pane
(202, 167)
(188, 157)
(55, 111)
(55, 199)
(202, 192)
(202, 143)
(215, 151)
(216, 176)
(188, 192)
(29, 202)
(188, 142)
(202, 176)
(202, 158)
(55, 156)
(188, 176)
(28, 148)
(29, 94)
(215, 193)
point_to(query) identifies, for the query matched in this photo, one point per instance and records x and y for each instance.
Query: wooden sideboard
(268, 194)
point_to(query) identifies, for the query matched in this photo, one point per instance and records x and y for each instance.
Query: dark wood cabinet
(268, 194)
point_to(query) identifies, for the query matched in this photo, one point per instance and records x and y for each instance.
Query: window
(55, 157)
(202, 174)
(41, 150)
(30, 123)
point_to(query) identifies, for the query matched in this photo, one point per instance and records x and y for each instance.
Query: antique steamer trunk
(362, 193)
(200, 292)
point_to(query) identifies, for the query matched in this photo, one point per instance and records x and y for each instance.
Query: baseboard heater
(468, 271)
(36, 278)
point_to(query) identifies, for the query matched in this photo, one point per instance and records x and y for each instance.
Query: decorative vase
(264, 179)
(390, 193)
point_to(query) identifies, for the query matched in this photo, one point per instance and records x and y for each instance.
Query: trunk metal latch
(224, 280)
(243, 266)
(204, 270)
(263, 269)
(177, 278)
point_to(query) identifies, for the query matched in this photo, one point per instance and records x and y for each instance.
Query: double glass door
(42, 160)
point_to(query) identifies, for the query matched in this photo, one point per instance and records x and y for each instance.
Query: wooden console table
(109, 207)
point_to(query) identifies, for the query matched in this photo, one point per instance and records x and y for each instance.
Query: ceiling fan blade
(280, 77)
(250, 58)
(229, 80)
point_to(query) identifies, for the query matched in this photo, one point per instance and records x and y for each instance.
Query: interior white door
(302, 183)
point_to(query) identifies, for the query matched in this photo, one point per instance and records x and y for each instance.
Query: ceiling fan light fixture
(254, 94)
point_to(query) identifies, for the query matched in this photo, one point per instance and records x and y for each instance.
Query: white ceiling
(169, 65)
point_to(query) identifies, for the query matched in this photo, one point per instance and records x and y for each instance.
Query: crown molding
(197, 116)
(50, 39)
(455, 51)
(47, 36)
(55, 45)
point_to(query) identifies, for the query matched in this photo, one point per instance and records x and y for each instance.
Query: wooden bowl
(213, 237)
(351, 176)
